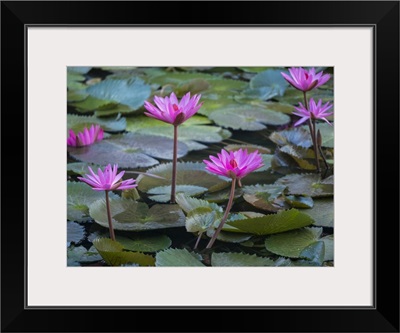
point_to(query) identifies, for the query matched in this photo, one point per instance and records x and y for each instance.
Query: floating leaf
(239, 259)
(74, 81)
(299, 201)
(179, 78)
(113, 255)
(177, 258)
(274, 106)
(250, 148)
(80, 168)
(200, 219)
(291, 243)
(187, 174)
(150, 243)
(327, 134)
(75, 232)
(271, 78)
(112, 109)
(294, 96)
(297, 136)
(215, 102)
(322, 212)
(130, 150)
(223, 195)
(307, 184)
(230, 237)
(314, 253)
(78, 123)
(248, 118)
(253, 69)
(191, 132)
(79, 69)
(130, 215)
(272, 223)
(226, 86)
(79, 254)
(188, 204)
(76, 95)
(163, 193)
(79, 197)
(262, 93)
(328, 241)
(90, 104)
(132, 92)
(266, 197)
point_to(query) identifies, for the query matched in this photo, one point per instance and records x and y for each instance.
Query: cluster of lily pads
(203, 166)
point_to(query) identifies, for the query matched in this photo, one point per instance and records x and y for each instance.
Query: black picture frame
(383, 316)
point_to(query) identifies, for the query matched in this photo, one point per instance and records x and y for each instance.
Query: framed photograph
(200, 167)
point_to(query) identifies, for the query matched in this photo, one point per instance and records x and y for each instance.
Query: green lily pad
(327, 134)
(266, 197)
(271, 78)
(272, 223)
(249, 118)
(130, 215)
(253, 69)
(314, 254)
(329, 244)
(80, 168)
(274, 106)
(226, 86)
(78, 123)
(292, 243)
(187, 174)
(76, 95)
(131, 150)
(297, 201)
(191, 132)
(78, 254)
(179, 78)
(322, 212)
(189, 204)
(112, 253)
(163, 193)
(177, 258)
(294, 96)
(239, 260)
(79, 69)
(79, 197)
(307, 184)
(250, 148)
(112, 109)
(230, 237)
(200, 219)
(261, 93)
(223, 195)
(149, 243)
(215, 102)
(297, 136)
(75, 81)
(90, 103)
(75, 233)
(132, 92)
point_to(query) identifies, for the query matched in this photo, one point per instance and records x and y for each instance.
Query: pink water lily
(235, 164)
(305, 80)
(108, 180)
(314, 111)
(85, 138)
(172, 111)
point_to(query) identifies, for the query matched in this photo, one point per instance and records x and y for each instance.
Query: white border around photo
(51, 49)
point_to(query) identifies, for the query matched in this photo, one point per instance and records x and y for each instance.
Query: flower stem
(319, 142)
(110, 226)
(228, 208)
(175, 154)
(311, 125)
(198, 240)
